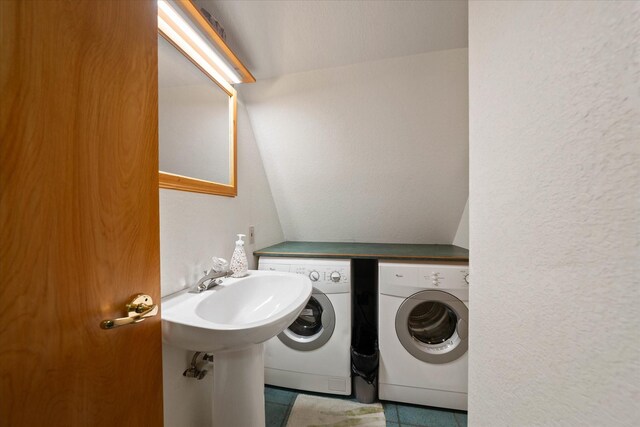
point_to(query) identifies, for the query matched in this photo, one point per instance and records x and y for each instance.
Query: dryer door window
(432, 322)
(432, 326)
(313, 327)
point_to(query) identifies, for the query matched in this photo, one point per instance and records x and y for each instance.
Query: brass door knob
(138, 309)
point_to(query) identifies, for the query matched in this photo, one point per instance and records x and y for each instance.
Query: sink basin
(236, 313)
(232, 321)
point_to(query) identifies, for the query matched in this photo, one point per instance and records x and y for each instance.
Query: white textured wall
(372, 152)
(555, 191)
(194, 227)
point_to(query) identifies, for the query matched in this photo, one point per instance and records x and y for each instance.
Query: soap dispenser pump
(239, 263)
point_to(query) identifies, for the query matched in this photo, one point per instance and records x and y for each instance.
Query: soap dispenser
(239, 263)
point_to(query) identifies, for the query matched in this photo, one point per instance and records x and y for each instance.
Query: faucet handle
(219, 264)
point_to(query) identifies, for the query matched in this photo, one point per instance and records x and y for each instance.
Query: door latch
(138, 309)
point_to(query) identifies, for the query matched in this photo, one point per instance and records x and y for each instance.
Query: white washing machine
(423, 328)
(314, 352)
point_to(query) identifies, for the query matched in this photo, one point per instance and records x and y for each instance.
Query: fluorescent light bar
(186, 47)
(178, 21)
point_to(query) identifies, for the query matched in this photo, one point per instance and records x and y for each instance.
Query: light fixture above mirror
(197, 102)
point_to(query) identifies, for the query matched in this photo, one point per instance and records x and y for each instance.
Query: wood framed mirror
(197, 105)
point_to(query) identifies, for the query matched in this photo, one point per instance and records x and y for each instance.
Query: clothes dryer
(313, 353)
(423, 328)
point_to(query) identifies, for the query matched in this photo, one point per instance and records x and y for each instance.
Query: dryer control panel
(406, 278)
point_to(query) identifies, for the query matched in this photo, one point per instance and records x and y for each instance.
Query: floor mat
(315, 411)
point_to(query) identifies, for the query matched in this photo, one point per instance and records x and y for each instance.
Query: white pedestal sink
(232, 321)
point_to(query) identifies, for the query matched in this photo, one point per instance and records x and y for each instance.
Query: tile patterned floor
(279, 402)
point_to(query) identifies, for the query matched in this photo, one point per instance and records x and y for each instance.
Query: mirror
(193, 119)
(196, 121)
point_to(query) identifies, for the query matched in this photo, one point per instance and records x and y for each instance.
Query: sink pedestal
(227, 321)
(238, 387)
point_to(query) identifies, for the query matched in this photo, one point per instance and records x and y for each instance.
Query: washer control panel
(326, 274)
(322, 272)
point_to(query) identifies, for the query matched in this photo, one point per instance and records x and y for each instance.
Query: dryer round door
(433, 326)
(313, 327)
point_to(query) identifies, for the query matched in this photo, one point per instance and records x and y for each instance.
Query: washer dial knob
(335, 277)
(314, 275)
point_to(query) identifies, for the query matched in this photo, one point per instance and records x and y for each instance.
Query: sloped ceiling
(274, 38)
(363, 127)
(356, 154)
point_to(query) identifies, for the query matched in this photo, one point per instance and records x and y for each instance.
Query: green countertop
(388, 251)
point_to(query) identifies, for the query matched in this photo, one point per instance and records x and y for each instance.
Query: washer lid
(433, 326)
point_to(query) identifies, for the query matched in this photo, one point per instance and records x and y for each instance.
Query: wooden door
(78, 212)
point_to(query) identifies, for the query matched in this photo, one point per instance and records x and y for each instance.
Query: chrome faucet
(212, 278)
(209, 281)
